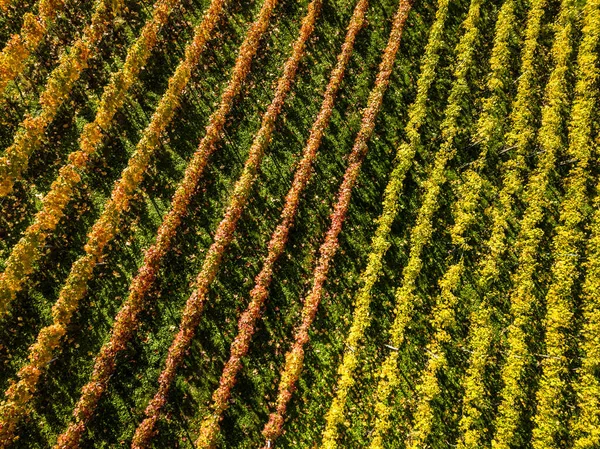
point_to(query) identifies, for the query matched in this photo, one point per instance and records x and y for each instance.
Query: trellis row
(71, 64)
(224, 233)
(489, 132)
(522, 294)
(104, 229)
(586, 422)
(417, 114)
(420, 234)
(519, 136)
(246, 325)
(552, 410)
(28, 250)
(294, 358)
(126, 320)
(22, 45)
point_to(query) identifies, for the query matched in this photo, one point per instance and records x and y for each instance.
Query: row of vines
(324, 223)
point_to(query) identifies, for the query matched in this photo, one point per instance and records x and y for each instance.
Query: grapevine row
(421, 233)
(224, 233)
(20, 392)
(586, 422)
(58, 87)
(522, 295)
(489, 132)
(20, 46)
(551, 410)
(518, 137)
(126, 320)
(258, 295)
(294, 358)
(417, 114)
(28, 250)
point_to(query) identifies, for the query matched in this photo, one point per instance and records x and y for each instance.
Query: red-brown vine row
(246, 325)
(294, 358)
(224, 233)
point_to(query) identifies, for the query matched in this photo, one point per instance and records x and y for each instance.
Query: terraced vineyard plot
(264, 224)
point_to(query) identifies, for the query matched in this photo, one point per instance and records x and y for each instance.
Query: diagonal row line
(247, 322)
(295, 356)
(417, 114)
(224, 234)
(71, 64)
(489, 132)
(104, 229)
(519, 137)
(420, 234)
(522, 295)
(28, 250)
(552, 411)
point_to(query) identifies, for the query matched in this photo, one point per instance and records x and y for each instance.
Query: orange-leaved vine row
(258, 295)
(522, 295)
(225, 231)
(294, 358)
(104, 229)
(417, 114)
(126, 319)
(28, 250)
(22, 45)
(420, 234)
(71, 64)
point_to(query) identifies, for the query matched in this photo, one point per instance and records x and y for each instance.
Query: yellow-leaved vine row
(514, 389)
(20, 46)
(28, 250)
(247, 323)
(295, 356)
(71, 64)
(519, 136)
(361, 319)
(18, 395)
(489, 133)
(420, 234)
(552, 411)
(223, 236)
(585, 428)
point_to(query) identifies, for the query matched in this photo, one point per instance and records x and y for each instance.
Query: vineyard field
(300, 224)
